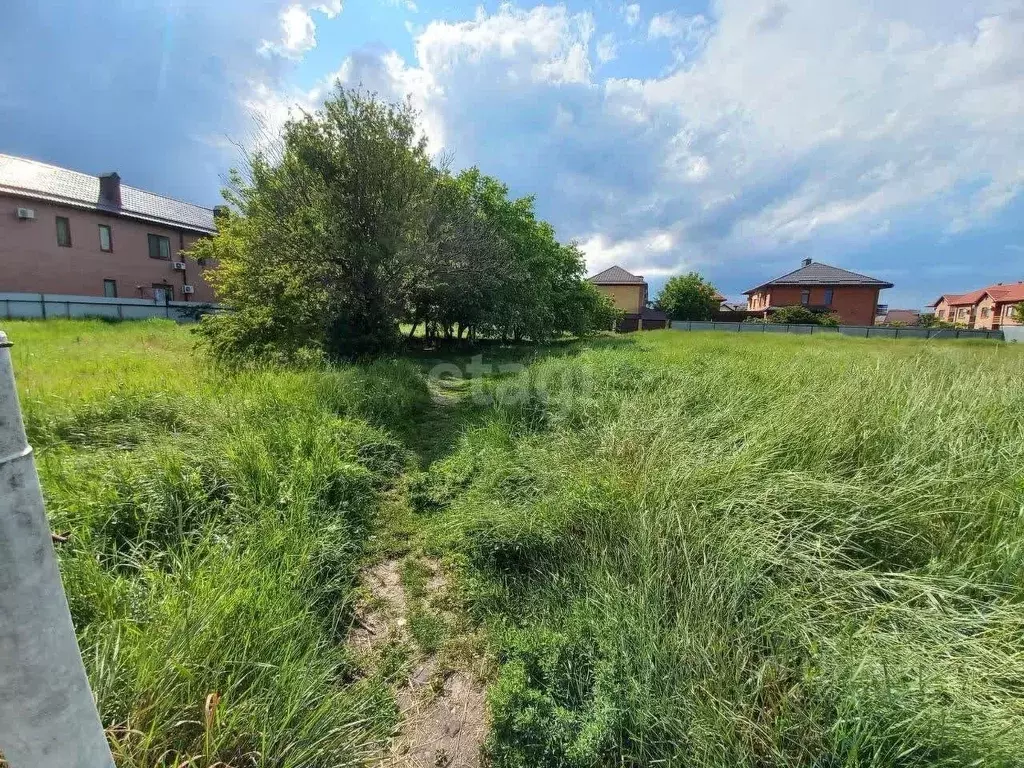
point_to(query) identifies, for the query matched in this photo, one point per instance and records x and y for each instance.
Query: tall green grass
(735, 551)
(216, 522)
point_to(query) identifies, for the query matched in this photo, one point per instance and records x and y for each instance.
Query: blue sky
(733, 137)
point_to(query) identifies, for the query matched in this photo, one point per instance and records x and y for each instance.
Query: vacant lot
(683, 549)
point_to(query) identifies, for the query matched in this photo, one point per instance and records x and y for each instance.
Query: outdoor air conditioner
(187, 289)
(26, 213)
(178, 265)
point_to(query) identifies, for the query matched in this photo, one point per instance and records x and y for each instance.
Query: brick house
(989, 308)
(65, 232)
(628, 292)
(821, 287)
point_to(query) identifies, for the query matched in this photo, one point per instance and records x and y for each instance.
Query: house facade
(821, 287)
(989, 308)
(629, 293)
(65, 232)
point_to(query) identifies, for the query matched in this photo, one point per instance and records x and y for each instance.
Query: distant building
(629, 293)
(821, 287)
(989, 308)
(65, 232)
(901, 316)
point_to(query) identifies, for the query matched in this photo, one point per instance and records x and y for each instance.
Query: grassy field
(683, 549)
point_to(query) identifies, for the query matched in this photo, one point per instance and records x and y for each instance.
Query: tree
(327, 237)
(689, 297)
(1018, 313)
(346, 229)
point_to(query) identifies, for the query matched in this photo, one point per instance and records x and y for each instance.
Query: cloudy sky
(734, 137)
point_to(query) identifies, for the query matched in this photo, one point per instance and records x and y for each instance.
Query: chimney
(110, 189)
(806, 262)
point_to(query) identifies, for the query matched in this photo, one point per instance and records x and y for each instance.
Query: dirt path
(443, 714)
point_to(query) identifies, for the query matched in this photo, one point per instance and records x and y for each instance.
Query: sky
(732, 137)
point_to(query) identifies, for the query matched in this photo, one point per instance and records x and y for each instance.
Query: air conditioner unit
(178, 265)
(26, 213)
(186, 289)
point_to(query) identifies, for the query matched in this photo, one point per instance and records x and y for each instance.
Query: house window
(106, 241)
(110, 289)
(163, 292)
(984, 312)
(63, 232)
(159, 247)
(805, 297)
(828, 297)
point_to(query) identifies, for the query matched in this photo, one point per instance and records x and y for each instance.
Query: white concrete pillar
(48, 718)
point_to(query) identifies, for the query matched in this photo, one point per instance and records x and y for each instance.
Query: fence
(43, 306)
(864, 331)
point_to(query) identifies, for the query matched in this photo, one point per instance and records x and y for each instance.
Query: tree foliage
(689, 297)
(347, 230)
(797, 314)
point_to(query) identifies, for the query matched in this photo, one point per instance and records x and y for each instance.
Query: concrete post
(48, 717)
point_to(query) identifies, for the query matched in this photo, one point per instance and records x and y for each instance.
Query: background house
(901, 316)
(65, 232)
(629, 293)
(989, 308)
(822, 287)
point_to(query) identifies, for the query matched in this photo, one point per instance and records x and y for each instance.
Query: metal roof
(822, 274)
(28, 178)
(615, 276)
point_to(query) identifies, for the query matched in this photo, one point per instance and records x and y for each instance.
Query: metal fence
(42, 306)
(863, 331)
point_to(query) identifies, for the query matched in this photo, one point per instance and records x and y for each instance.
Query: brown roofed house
(65, 232)
(629, 293)
(988, 308)
(851, 296)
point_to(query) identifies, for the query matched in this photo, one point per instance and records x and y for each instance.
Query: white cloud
(783, 125)
(298, 30)
(606, 48)
(330, 9)
(631, 13)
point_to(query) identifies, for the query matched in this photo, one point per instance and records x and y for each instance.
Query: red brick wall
(855, 304)
(31, 260)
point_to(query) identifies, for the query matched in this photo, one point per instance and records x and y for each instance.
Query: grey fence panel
(1014, 333)
(27, 306)
(861, 331)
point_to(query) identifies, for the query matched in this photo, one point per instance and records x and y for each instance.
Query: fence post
(42, 304)
(897, 332)
(47, 715)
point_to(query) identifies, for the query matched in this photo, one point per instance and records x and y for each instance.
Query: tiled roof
(29, 178)
(1012, 292)
(1001, 292)
(615, 276)
(822, 274)
(905, 316)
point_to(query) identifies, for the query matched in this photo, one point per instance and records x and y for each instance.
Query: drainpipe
(48, 718)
